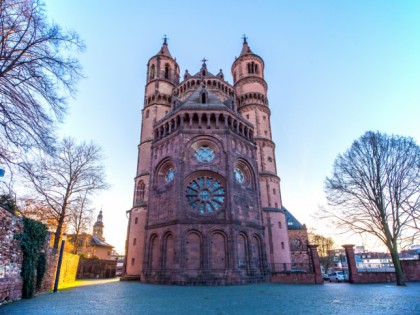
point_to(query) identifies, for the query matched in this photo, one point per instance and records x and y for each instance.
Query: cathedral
(207, 205)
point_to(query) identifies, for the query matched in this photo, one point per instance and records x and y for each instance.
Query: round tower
(251, 96)
(162, 77)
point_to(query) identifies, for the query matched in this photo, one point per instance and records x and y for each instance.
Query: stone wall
(10, 257)
(92, 268)
(68, 270)
(411, 269)
(69, 267)
(294, 278)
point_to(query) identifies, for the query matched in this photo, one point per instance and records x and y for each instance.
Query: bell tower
(98, 227)
(162, 77)
(251, 96)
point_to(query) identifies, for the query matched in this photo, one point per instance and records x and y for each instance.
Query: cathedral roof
(211, 99)
(292, 222)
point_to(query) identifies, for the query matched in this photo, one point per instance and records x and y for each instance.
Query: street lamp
(60, 258)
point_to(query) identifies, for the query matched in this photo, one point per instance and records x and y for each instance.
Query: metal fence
(292, 267)
(375, 267)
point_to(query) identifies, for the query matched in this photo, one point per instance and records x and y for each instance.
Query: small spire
(245, 48)
(204, 61)
(164, 50)
(245, 38)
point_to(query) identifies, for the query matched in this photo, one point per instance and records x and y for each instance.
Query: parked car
(325, 276)
(337, 276)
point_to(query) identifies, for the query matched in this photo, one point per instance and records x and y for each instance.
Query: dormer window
(203, 94)
(203, 98)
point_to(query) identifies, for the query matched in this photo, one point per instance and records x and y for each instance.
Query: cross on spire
(165, 39)
(204, 60)
(245, 38)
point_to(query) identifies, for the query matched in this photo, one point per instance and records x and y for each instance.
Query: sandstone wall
(10, 257)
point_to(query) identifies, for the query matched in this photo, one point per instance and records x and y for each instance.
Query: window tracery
(205, 194)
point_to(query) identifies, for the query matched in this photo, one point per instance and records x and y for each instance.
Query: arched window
(136, 220)
(141, 187)
(134, 241)
(203, 98)
(166, 71)
(152, 72)
(147, 113)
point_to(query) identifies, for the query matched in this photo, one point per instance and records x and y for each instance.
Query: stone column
(316, 263)
(351, 263)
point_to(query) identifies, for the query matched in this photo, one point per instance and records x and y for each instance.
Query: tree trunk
(397, 265)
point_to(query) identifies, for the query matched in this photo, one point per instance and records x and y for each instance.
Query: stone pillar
(316, 263)
(351, 263)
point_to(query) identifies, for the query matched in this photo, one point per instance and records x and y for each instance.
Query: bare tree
(375, 188)
(60, 179)
(80, 218)
(37, 74)
(325, 249)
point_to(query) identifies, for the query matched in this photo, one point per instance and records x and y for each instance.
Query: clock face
(239, 175)
(204, 154)
(205, 195)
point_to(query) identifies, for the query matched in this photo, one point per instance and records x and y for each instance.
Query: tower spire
(245, 38)
(245, 48)
(165, 40)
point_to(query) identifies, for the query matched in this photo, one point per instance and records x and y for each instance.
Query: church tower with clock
(207, 205)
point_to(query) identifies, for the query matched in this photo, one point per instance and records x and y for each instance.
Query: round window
(204, 154)
(170, 174)
(239, 175)
(205, 195)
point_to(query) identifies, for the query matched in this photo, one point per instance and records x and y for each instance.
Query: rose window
(204, 154)
(205, 195)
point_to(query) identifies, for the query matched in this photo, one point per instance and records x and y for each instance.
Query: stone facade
(207, 203)
(10, 257)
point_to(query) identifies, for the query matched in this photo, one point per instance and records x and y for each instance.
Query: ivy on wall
(32, 242)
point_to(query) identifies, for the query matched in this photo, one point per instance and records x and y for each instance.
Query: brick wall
(411, 269)
(10, 257)
(92, 268)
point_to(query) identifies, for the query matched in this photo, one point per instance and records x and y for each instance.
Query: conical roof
(164, 50)
(245, 48)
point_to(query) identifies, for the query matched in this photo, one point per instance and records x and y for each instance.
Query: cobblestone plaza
(138, 298)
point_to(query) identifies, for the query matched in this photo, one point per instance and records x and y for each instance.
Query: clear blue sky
(334, 69)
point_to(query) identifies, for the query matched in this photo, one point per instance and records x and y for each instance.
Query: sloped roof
(195, 98)
(95, 241)
(292, 222)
